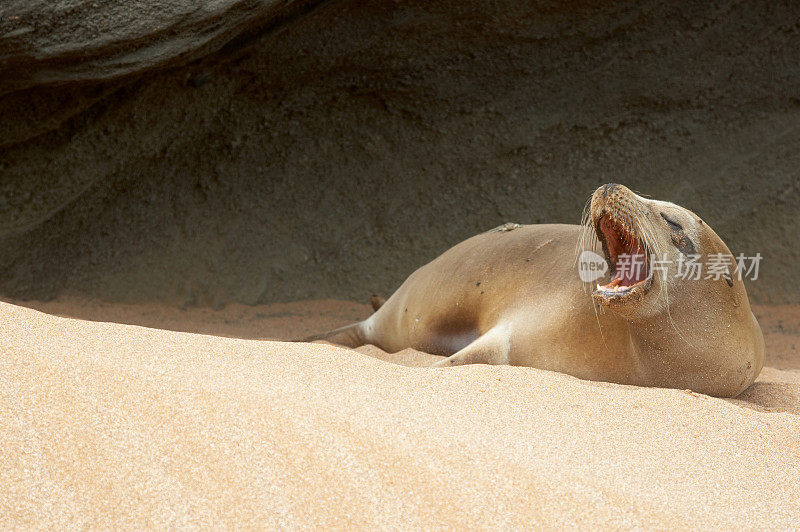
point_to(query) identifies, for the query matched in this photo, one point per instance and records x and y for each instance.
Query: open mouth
(628, 258)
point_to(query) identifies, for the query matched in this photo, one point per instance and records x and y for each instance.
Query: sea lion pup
(513, 295)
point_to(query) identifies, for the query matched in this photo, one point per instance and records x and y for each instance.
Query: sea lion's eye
(675, 226)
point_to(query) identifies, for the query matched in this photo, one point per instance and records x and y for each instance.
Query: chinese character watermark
(592, 266)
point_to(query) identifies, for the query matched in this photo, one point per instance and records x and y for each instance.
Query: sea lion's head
(654, 250)
(693, 321)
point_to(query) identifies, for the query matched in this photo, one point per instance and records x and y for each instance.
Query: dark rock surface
(206, 152)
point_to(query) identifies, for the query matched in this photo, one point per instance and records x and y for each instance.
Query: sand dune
(111, 424)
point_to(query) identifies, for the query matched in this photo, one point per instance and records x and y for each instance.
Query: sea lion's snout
(616, 199)
(616, 214)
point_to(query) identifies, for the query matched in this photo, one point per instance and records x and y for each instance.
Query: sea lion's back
(450, 301)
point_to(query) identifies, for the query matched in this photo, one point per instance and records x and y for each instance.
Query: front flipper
(491, 348)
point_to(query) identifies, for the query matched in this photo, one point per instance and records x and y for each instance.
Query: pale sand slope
(104, 424)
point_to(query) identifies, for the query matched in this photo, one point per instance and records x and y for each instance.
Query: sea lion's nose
(608, 188)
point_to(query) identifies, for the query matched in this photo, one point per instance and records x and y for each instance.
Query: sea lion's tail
(347, 336)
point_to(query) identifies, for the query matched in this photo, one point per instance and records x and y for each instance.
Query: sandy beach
(160, 417)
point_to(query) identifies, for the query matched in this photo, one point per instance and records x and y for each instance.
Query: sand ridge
(108, 424)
